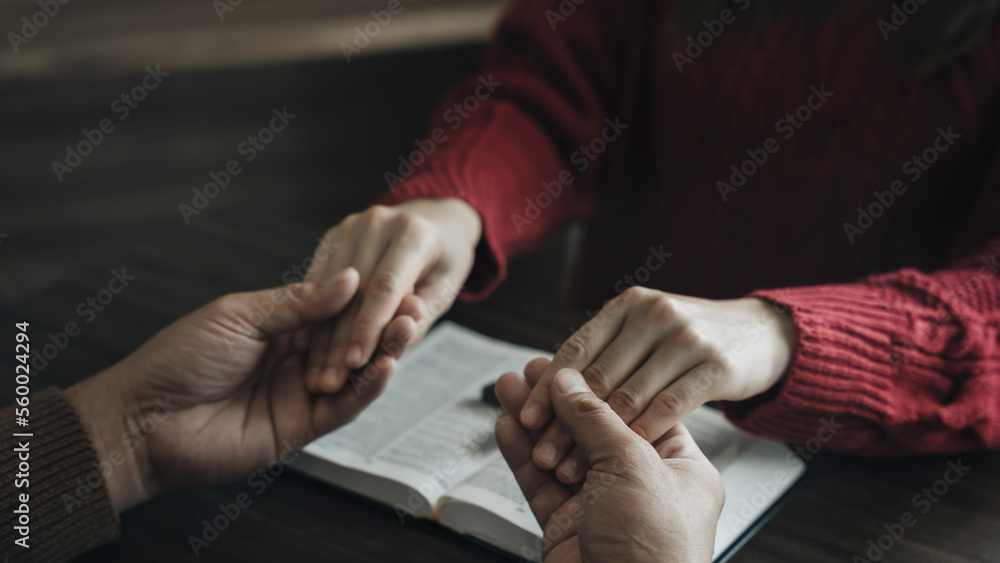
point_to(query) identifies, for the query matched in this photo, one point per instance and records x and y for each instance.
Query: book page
(429, 430)
(717, 438)
(755, 472)
(494, 490)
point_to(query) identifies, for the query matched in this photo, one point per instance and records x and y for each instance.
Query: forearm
(522, 157)
(61, 500)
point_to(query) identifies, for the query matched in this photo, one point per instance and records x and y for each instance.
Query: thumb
(271, 312)
(595, 428)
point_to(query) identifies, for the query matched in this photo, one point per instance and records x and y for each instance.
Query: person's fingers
(576, 353)
(632, 397)
(393, 277)
(335, 410)
(544, 494)
(666, 365)
(413, 306)
(398, 335)
(331, 255)
(264, 314)
(678, 443)
(322, 334)
(596, 428)
(535, 369)
(437, 293)
(612, 367)
(301, 339)
(512, 391)
(334, 370)
(671, 404)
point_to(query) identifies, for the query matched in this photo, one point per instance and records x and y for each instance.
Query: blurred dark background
(224, 79)
(119, 207)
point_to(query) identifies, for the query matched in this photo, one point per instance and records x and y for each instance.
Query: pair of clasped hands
(592, 436)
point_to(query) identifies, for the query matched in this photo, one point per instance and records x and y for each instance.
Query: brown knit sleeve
(68, 507)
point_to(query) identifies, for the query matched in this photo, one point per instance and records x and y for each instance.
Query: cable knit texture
(782, 153)
(61, 459)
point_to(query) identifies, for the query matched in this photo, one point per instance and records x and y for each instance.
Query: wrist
(782, 337)
(467, 218)
(108, 415)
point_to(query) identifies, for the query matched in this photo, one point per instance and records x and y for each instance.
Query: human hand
(638, 502)
(409, 255)
(234, 380)
(655, 357)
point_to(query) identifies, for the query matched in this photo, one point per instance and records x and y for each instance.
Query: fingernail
(547, 454)
(570, 382)
(329, 378)
(531, 415)
(354, 356)
(570, 468)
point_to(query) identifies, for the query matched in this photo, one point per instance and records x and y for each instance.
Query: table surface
(842, 506)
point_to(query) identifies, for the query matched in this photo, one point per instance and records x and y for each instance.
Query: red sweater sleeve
(544, 91)
(899, 363)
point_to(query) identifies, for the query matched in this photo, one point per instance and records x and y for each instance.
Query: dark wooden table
(830, 519)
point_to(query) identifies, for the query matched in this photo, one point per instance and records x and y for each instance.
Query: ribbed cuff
(844, 362)
(69, 508)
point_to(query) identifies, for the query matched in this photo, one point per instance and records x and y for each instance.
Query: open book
(426, 448)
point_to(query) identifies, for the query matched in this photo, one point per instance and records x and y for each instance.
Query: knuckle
(348, 224)
(663, 310)
(668, 402)
(364, 326)
(598, 377)
(575, 350)
(632, 294)
(376, 213)
(591, 406)
(411, 223)
(382, 282)
(228, 304)
(691, 337)
(295, 292)
(625, 401)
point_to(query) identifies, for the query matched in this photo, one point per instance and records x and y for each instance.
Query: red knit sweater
(877, 208)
